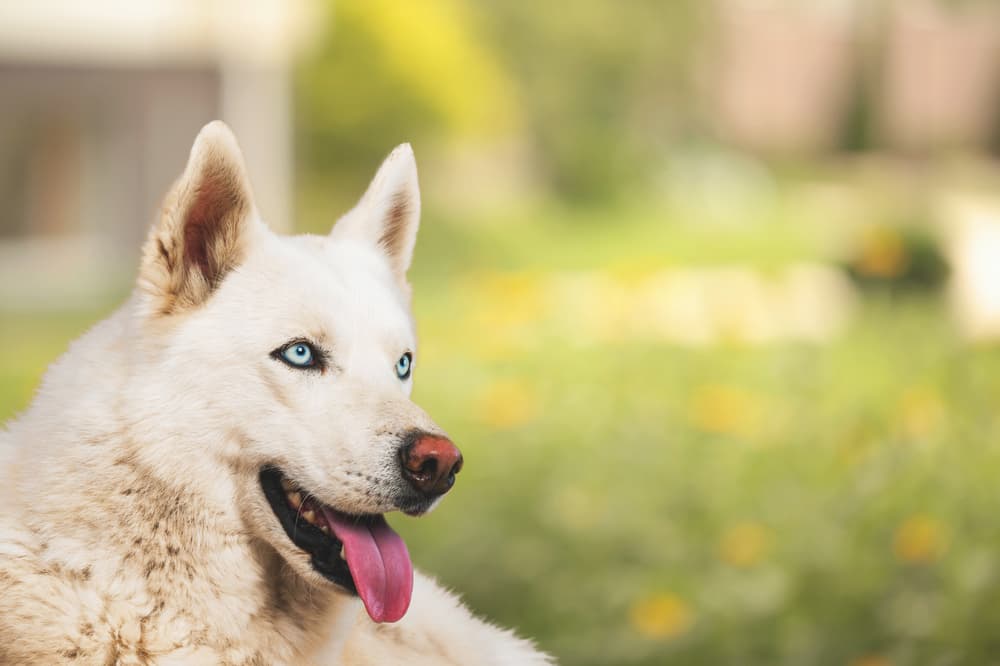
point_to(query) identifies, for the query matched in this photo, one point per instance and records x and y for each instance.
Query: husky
(202, 477)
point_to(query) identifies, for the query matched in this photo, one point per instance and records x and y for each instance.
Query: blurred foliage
(604, 85)
(390, 72)
(597, 90)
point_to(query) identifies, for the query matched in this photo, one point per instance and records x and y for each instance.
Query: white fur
(132, 525)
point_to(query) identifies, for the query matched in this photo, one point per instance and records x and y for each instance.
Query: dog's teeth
(287, 485)
(295, 499)
(324, 529)
(342, 556)
(309, 515)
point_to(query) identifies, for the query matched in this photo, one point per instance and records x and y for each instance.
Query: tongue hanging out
(379, 564)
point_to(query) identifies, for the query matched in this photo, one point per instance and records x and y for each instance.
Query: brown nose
(430, 463)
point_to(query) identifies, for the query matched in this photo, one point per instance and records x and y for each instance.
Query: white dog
(202, 477)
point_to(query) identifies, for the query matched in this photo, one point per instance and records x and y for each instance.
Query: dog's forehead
(334, 277)
(337, 263)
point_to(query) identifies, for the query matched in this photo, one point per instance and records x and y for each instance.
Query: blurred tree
(389, 72)
(597, 90)
(605, 85)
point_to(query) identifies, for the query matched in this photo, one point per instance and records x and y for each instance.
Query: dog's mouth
(362, 554)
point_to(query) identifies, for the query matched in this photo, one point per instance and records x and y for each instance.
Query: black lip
(323, 549)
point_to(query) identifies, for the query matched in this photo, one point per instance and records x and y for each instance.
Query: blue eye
(299, 355)
(403, 365)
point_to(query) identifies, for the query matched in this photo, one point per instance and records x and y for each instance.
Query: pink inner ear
(394, 231)
(210, 218)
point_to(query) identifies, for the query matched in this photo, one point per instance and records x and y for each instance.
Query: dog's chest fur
(149, 574)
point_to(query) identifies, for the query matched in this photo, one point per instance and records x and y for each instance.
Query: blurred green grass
(628, 502)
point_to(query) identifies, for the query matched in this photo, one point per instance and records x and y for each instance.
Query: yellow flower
(883, 254)
(724, 409)
(920, 539)
(744, 545)
(507, 404)
(921, 411)
(664, 616)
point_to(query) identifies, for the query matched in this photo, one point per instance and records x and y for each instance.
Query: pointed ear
(388, 214)
(202, 231)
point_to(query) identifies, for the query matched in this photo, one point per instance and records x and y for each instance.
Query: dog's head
(298, 354)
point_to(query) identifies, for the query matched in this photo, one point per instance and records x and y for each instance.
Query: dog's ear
(202, 231)
(389, 213)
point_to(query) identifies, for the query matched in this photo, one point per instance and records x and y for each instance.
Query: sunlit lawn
(627, 502)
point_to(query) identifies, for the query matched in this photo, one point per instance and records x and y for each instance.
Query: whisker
(298, 512)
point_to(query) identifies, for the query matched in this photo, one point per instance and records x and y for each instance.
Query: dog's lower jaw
(324, 549)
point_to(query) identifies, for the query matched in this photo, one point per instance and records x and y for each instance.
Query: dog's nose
(430, 463)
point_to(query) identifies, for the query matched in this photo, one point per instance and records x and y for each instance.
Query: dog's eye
(299, 355)
(403, 365)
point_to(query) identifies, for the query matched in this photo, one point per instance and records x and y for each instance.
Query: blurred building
(941, 75)
(782, 73)
(99, 104)
(917, 75)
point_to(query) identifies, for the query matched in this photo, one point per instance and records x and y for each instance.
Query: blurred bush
(898, 259)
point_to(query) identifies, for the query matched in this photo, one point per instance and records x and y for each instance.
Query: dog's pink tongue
(379, 564)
